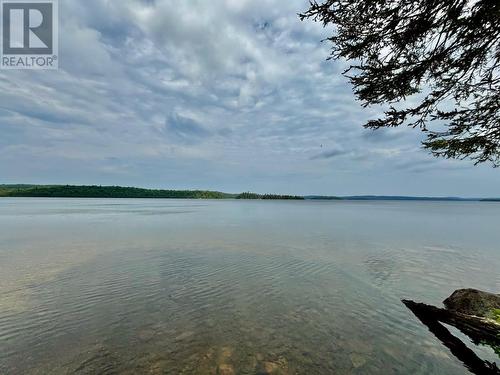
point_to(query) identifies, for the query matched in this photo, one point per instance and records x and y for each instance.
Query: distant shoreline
(403, 198)
(94, 191)
(76, 191)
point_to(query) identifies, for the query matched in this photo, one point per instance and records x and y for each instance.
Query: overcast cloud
(232, 95)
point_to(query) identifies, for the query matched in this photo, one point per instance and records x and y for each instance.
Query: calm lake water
(246, 287)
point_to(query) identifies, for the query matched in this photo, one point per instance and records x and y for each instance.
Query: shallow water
(200, 287)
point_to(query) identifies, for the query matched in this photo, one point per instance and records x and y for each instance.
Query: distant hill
(403, 198)
(322, 198)
(399, 198)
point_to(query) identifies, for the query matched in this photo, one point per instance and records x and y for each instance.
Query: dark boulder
(473, 302)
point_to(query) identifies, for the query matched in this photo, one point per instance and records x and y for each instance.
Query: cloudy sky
(230, 95)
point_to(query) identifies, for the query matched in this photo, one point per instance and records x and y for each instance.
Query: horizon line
(306, 196)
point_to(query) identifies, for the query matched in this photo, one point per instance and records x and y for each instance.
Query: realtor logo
(29, 34)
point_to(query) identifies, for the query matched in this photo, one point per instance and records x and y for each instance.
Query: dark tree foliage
(248, 196)
(446, 51)
(68, 191)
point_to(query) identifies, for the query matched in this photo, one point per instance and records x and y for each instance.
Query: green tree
(444, 53)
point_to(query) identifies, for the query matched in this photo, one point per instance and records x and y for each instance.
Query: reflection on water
(207, 287)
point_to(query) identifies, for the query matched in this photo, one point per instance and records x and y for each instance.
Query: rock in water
(473, 302)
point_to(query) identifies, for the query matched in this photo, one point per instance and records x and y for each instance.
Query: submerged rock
(357, 360)
(270, 367)
(226, 352)
(278, 367)
(473, 302)
(225, 370)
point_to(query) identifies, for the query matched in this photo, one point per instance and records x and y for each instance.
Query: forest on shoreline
(75, 191)
(72, 191)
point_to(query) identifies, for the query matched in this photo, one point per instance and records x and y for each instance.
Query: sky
(229, 95)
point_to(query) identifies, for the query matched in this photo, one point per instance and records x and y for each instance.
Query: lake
(248, 287)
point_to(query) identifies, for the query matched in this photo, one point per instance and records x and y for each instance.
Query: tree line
(72, 191)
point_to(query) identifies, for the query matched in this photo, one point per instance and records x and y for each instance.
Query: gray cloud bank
(225, 94)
